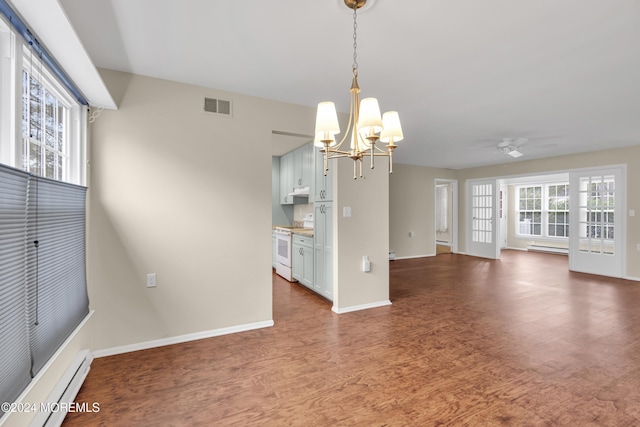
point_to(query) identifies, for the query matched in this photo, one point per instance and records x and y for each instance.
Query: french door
(482, 230)
(596, 221)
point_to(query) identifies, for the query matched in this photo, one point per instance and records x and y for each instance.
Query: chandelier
(365, 128)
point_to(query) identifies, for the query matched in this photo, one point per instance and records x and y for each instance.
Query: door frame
(454, 212)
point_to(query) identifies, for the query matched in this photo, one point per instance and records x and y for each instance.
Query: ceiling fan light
(392, 131)
(514, 153)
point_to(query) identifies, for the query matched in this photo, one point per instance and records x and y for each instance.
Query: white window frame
(544, 212)
(16, 56)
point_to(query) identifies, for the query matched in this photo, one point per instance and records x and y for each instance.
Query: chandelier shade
(392, 131)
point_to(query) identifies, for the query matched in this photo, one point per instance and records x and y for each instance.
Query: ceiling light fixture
(365, 126)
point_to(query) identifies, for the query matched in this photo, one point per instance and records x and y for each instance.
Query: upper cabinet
(286, 179)
(296, 172)
(322, 185)
(302, 165)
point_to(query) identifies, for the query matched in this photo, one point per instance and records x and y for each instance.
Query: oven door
(283, 245)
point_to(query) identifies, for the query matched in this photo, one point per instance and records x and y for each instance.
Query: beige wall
(186, 195)
(412, 208)
(366, 232)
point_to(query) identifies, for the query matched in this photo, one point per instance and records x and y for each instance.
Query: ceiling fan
(510, 146)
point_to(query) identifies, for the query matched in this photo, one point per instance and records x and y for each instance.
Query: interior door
(482, 229)
(596, 221)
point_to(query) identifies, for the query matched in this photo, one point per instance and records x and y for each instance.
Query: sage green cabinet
(303, 165)
(302, 260)
(322, 185)
(286, 178)
(296, 171)
(323, 249)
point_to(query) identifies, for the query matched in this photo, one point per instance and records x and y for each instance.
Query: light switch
(346, 212)
(632, 212)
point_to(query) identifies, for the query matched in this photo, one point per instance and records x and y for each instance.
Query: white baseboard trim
(415, 256)
(509, 248)
(360, 307)
(635, 279)
(182, 338)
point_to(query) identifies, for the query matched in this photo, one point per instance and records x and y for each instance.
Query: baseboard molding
(635, 279)
(182, 338)
(360, 307)
(415, 256)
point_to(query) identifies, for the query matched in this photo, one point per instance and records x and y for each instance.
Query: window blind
(14, 351)
(56, 287)
(43, 293)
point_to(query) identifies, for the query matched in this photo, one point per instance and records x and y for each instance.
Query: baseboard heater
(55, 408)
(548, 249)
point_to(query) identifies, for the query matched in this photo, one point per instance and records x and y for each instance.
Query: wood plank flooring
(519, 341)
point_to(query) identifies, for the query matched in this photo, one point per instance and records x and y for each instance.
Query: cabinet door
(318, 245)
(322, 185)
(307, 269)
(328, 251)
(307, 163)
(323, 249)
(297, 262)
(297, 167)
(286, 174)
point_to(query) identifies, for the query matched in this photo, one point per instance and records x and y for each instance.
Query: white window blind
(42, 270)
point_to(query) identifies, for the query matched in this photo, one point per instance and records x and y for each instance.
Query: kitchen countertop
(297, 230)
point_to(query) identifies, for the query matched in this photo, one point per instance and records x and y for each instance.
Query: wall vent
(217, 106)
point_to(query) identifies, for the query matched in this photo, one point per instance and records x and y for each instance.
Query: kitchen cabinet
(323, 249)
(302, 165)
(296, 171)
(322, 185)
(286, 178)
(302, 259)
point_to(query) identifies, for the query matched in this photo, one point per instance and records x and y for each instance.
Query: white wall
(186, 195)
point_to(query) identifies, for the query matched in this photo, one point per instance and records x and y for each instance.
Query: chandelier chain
(355, 42)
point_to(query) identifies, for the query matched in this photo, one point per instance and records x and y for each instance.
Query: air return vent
(217, 106)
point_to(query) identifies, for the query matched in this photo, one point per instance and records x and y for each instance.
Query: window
(43, 130)
(48, 139)
(543, 210)
(530, 211)
(558, 215)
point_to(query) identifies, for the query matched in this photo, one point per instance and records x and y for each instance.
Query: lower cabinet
(302, 259)
(323, 249)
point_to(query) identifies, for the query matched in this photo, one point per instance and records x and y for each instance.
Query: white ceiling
(462, 73)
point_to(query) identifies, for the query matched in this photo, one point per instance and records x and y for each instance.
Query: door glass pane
(482, 211)
(596, 214)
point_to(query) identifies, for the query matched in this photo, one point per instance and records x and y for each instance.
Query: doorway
(446, 216)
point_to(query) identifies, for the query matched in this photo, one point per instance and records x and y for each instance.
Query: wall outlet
(411, 234)
(638, 247)
(366, 264)
(151, 280)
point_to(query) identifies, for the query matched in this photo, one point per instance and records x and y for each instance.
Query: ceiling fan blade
(519, 142)
(506, 142)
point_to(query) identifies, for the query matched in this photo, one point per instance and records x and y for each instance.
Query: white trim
(414, 256)
(635, 279)
(182, 338)
(360, 307)
(509, 248)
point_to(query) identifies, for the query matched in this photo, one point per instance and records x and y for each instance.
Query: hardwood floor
(518, 341)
